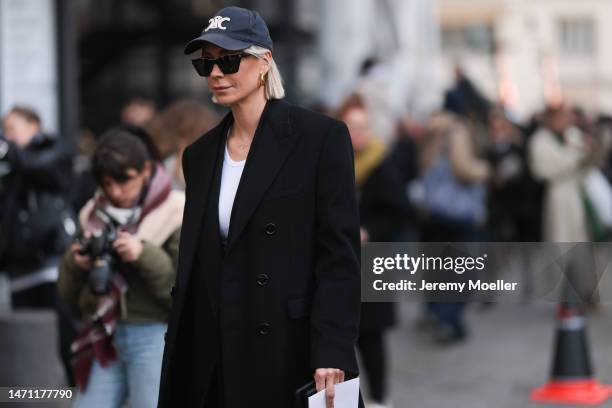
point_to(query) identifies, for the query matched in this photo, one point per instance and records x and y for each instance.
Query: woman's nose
(216, 71)
(115, 191)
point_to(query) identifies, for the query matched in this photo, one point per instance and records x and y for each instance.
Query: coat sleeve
(71, 279)
(336, 302)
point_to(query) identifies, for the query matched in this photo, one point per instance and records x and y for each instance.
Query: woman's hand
(128, 247)
(325, 378)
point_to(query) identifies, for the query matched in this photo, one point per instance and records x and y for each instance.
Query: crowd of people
(70, 212)
(470, 173)
(73, 213)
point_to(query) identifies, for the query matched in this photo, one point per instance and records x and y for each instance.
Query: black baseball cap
(233, 28)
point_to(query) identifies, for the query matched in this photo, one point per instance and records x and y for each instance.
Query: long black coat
(282, 297)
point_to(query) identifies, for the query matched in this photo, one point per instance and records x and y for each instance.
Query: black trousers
(372, 348)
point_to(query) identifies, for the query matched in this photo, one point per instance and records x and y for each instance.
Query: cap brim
(220, 40)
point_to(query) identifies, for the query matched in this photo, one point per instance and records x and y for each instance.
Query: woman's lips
(220, 88)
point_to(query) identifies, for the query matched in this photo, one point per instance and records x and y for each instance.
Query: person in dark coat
(267, 296)
(515, 197)
(384, 211)
(37, 221)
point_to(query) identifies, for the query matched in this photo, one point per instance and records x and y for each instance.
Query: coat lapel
(271, 145)
(204, 159)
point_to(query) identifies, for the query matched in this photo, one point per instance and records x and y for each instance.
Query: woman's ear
(267, 57)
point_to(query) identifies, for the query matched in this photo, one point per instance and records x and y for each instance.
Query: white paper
(347, 396)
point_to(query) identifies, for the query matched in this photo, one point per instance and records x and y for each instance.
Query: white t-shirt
(230, 177)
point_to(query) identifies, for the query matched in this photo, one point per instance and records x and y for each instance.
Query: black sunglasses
(228, 64)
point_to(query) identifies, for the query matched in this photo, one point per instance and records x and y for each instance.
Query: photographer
(37, 223)
(119, 272)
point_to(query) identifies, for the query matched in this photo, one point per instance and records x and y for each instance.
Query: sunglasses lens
(230, 64)
(203, 66)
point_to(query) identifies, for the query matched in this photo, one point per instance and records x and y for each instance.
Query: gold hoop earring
(262, 79)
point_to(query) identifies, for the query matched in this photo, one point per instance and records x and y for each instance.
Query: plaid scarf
(95, 338)
(155, 193)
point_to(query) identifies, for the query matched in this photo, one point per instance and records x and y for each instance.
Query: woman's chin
(224, 99)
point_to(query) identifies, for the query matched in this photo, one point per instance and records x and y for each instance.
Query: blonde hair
(274, 88)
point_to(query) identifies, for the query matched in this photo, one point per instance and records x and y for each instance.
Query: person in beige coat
(559, 156)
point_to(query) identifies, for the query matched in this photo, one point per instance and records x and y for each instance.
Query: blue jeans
(134, 376)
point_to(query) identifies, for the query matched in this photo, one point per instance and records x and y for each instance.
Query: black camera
(99, 247)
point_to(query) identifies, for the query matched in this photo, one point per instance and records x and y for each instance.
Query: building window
(577, 36)
(474, 38)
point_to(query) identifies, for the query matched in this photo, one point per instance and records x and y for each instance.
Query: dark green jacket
(149, 281)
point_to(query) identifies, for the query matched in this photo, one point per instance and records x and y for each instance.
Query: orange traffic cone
(572, 379)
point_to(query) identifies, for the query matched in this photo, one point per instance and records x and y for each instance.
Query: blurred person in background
(452, 193)
(404, 157)
(448, 154)
(559, 155)
(464, 99)
(119, 272)
(384, 211)
(175, 128)
(514, 197)
(470, 105)
(37, 222)
(138, 111)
